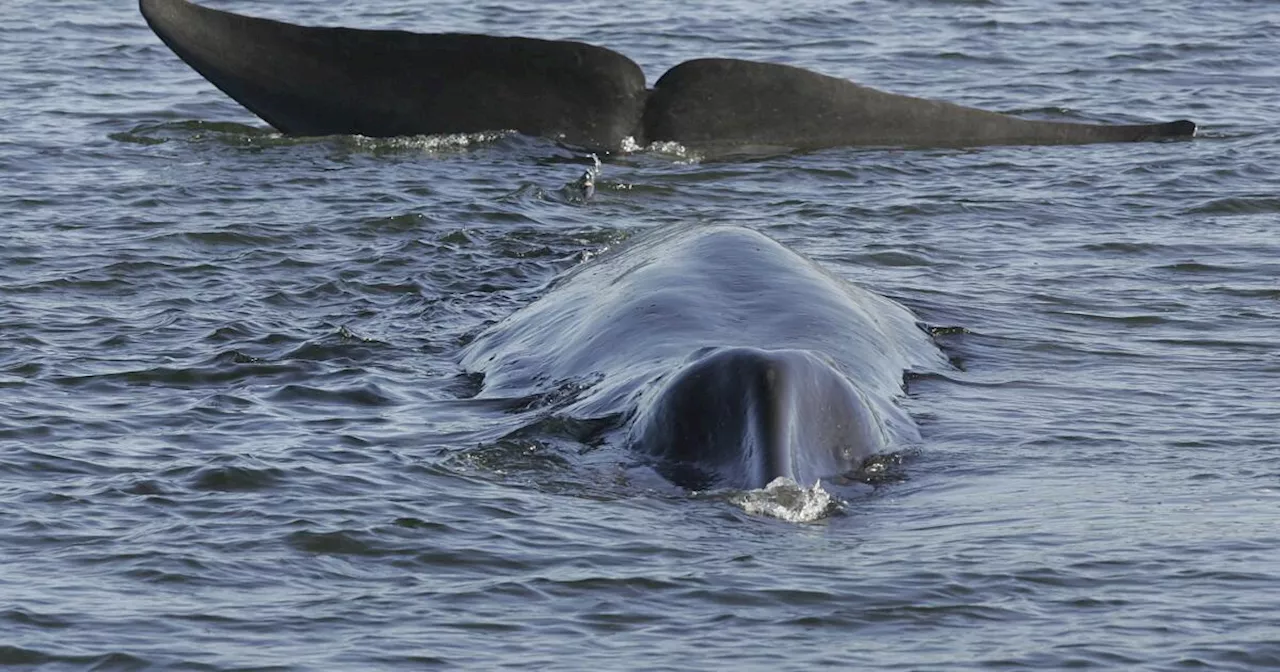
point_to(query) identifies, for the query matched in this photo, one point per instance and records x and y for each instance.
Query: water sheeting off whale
(382, 83)
(735, 360)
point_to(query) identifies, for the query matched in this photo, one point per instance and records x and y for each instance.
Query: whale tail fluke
(381, 83)
(1182, 128)
(734, 102)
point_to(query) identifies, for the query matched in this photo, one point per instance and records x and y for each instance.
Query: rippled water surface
(235, 432)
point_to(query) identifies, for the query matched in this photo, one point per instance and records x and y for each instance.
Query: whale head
(741, 417)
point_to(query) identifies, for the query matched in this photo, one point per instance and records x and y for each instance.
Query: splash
(256, 137)
(787, 500)
(668, 148)
(429, 144)
(582, 189)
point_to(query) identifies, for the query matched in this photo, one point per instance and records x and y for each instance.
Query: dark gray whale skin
(383, 83)
(734, 360)
(721, 101)
(747, 416)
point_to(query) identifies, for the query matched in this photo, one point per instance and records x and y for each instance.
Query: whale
(730, 359)
(310, 81)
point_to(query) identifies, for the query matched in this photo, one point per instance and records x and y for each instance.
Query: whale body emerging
(735, 360)
(381, 83)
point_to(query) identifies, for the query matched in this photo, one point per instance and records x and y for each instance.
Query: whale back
(669, 293)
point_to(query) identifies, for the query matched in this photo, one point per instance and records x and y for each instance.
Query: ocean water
(235, 432)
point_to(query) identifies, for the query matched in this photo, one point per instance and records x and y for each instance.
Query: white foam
(787, 500)
(668, 148)
(430, 143)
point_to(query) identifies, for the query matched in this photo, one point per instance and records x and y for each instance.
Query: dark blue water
(235, 432)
